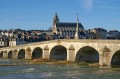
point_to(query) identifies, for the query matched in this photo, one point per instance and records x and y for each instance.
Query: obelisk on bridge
(76, 31)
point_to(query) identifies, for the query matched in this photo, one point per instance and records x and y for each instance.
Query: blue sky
(38, 14)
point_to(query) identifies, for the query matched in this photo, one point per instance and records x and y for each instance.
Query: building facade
(113, 34)
(97, 33)
(3, 42)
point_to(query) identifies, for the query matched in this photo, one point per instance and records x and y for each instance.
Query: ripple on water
(29, 70)
(53, 71)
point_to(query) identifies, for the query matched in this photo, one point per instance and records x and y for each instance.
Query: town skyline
(38, 14)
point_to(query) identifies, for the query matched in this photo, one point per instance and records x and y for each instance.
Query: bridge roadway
(106, 52)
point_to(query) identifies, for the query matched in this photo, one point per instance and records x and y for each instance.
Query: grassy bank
(47, 61)
(52, 61)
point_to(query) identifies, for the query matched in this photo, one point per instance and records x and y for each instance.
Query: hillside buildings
(59, 30)
(18, 36)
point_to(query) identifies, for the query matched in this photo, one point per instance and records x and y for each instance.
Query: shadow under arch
(1, 54)
(10, 54)
(58, 52)
(87, 54)
(116, 58)
(37, 53)
(21, 54)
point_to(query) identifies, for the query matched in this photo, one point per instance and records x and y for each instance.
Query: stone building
(67, 29)
(97, 33)
(113, 34)
(3, 42)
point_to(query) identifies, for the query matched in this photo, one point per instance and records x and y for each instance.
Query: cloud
(87, 4)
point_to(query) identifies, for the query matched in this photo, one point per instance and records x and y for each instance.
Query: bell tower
(55, 20)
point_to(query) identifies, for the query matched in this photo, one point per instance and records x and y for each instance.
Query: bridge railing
(67, 40)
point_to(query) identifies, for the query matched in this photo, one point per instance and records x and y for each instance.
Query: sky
(38, 14)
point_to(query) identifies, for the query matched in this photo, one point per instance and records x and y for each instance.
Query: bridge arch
(21, 54)
(87, 54)
(116, 58)
(58, 52)
(10, 54)
(1, 54)
(37, 53)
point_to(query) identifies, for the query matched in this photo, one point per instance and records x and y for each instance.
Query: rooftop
(66, 24)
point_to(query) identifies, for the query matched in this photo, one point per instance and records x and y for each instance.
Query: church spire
(76, 32)
(55, 20)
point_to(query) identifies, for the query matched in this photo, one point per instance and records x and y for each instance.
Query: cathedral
(67, 29)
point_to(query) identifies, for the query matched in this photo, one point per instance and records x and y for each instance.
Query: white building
(12, 42)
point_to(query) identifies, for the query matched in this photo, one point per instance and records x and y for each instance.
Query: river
(20, 69)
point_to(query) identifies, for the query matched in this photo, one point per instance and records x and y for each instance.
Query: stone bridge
(105, 52)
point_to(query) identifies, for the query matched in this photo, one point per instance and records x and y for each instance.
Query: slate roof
(69, 25)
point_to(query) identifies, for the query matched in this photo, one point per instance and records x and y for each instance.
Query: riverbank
(47, 61)
(15, 62)
(9, 64)
(52, 61)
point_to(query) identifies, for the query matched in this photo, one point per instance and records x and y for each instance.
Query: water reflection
(54, 71)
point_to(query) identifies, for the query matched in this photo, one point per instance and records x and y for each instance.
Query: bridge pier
(5, 54)
(105, 56)
(71, 53)
(14, 54)
(28, 53)
(46, 53)
(104, 59)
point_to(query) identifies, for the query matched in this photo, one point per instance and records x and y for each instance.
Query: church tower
(55, 20)
(76, 32)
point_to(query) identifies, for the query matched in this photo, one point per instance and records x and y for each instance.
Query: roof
(69, 25)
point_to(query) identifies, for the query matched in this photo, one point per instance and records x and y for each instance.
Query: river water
(54, 71)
